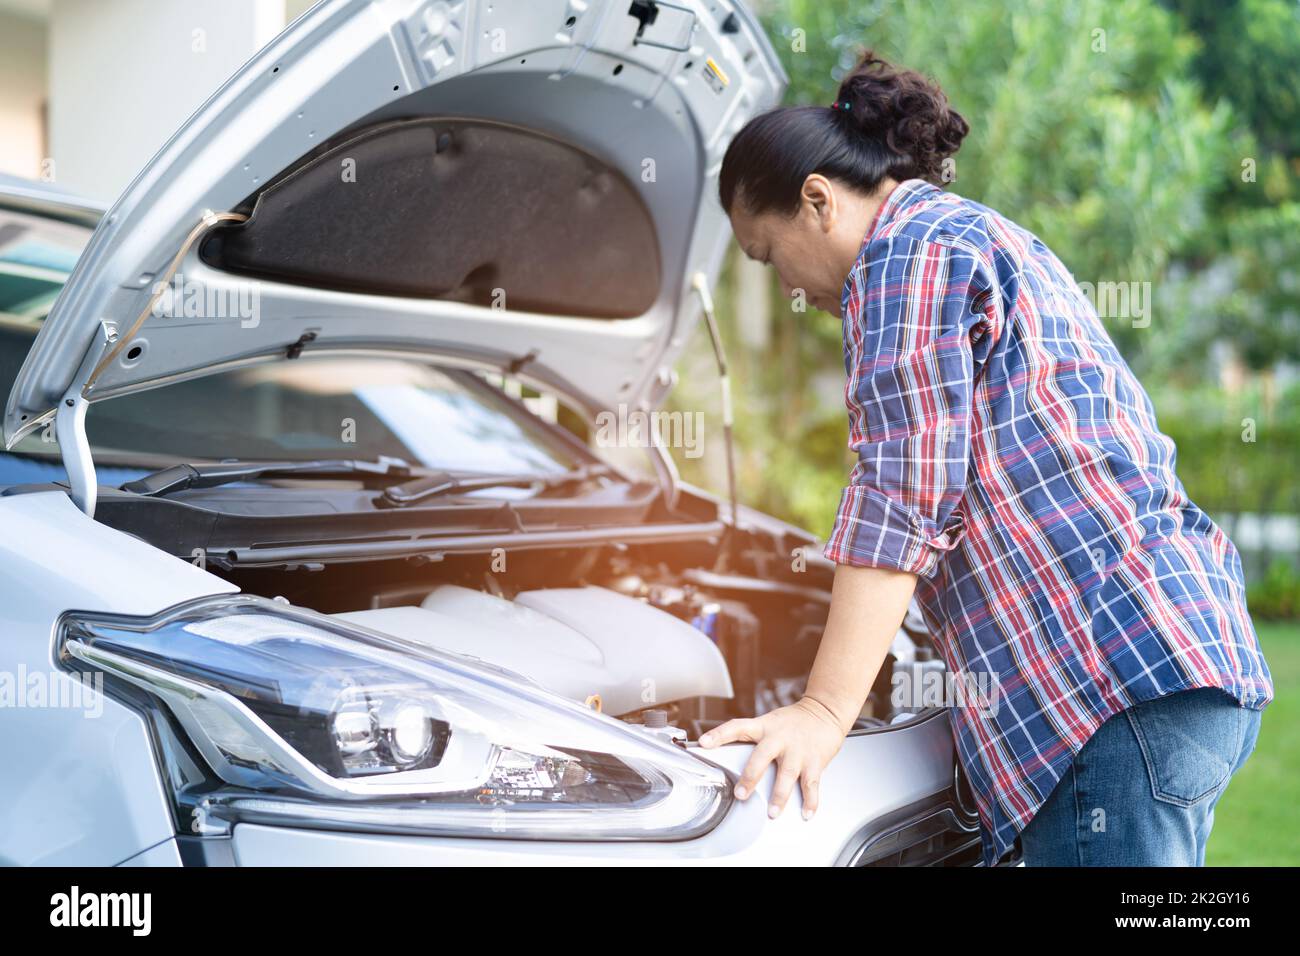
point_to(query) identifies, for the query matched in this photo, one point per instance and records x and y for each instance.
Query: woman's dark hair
(885, 122)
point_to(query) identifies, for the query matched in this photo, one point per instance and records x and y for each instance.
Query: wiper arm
(434, 485)
(180, 477)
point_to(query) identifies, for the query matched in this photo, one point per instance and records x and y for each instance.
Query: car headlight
(308, 720)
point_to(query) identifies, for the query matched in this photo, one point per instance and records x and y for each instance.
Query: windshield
(309, 408)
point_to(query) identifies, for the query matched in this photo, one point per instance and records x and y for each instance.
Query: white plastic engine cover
(573, 641)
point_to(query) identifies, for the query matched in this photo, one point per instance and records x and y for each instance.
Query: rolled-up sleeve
(918, 321)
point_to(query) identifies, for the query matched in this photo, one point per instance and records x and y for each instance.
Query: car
(288, 577)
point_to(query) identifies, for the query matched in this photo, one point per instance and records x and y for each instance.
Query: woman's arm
(867, 606)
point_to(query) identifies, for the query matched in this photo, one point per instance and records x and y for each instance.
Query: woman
(1010, 475)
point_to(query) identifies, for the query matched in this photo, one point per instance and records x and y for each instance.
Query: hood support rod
(70, 425)
(700, 284)
(70, 417)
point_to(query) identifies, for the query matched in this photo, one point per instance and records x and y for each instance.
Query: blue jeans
(1142, 790)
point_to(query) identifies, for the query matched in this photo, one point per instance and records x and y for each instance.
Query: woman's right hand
(867, 608)
(801, 738)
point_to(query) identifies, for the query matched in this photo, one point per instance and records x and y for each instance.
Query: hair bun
(904, 110)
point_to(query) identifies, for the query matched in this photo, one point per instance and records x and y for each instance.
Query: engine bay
(654, 634)
(678, 621)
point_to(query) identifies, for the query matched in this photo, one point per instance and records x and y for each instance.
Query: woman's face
(814, 249)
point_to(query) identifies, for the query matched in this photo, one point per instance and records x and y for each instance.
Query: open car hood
(528, 185)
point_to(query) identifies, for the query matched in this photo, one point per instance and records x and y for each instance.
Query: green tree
(1088, 127)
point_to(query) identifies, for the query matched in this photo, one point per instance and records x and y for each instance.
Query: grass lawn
(1257, 820)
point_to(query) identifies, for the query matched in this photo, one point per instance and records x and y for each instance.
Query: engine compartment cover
(572, 641)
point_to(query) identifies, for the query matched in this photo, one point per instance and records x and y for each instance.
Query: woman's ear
(818, 198)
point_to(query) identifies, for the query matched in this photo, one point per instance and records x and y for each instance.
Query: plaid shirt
(1009, 457)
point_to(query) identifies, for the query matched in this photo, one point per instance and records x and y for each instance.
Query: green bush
(1230, 468)
(1276, 596)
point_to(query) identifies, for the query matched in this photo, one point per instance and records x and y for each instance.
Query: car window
(317, 408)
(312, 407)
(36, 257)
(324, 407)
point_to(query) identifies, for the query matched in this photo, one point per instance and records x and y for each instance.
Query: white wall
(124, 74)
(22, 94)
(293, 9)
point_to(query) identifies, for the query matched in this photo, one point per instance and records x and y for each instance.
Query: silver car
(288, 577)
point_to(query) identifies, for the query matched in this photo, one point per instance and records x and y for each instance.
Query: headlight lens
(310, 720)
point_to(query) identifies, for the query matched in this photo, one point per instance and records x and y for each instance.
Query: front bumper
(881, 781)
